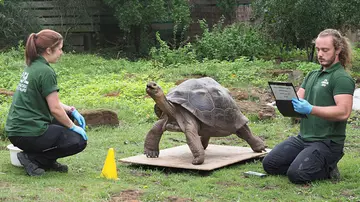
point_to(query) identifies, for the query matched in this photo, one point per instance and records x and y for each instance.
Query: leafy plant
(4, 109)
(136, 16)
(167, 56)
(292, 23)
(228, 8)
(16, 23)
(356, 60)
(230, 42)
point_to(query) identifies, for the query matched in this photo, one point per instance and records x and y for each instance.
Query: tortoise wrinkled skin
(200, 108)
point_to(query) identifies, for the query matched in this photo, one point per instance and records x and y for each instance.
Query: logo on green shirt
(22, 87)
(324, 83)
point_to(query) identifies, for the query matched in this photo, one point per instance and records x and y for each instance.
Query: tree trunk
(312, 53)
(136, 30)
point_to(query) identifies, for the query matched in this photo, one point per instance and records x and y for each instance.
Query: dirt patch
(100, 117)
(55, 189)
(112, 94)
(177, 199)
(129, 195)
(270, 187)
(4, 185)
(139, 173)
(349, 194)
(6, 92)
(254, 101)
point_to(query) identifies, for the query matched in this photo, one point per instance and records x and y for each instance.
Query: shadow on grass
(202, 173)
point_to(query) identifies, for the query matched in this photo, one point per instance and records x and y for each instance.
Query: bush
(356, 60)
(167, 56)
(16, 23)
(4, 109)
(231, 42)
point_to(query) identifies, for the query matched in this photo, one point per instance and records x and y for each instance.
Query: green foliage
(166, 56)
(16, 23)
(231, 42)
(141, 13)
(294, 54)
(136, 12)
(136, 16)
(356, 60)
(227, 7)
(179, 12)
(11, 64)
(294, 23)
(4, 109)
(307, 67)
(354, 118)
(348, 13)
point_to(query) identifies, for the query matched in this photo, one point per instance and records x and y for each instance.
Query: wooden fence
(210, 11)
(79, 28)
(77, 25)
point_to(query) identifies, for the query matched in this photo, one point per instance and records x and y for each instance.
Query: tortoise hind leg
(205, 141)
(255, 142)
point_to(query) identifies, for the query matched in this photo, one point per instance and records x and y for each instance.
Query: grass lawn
(85, 79)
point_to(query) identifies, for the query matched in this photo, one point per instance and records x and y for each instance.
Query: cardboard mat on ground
(216, 156)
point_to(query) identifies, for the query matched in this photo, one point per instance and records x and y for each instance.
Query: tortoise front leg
(190, 126)
(255, 142)
(195, 145)
(152, 140)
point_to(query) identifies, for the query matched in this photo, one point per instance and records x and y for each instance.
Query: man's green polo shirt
(29, 114)
(320, 88)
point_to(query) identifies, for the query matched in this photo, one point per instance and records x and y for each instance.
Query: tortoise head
(162, 104)
(154, 91)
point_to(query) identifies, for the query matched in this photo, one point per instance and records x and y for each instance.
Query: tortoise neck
(167, 107)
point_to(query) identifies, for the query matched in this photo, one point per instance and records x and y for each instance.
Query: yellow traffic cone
(109, 170)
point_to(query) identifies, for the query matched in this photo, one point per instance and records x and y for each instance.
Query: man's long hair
(342, 43)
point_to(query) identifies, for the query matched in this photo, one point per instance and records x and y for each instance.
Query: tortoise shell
(211, 103)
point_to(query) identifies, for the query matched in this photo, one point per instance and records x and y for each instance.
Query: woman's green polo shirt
(29, 114)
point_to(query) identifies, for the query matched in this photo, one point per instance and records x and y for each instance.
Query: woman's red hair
(37, 43)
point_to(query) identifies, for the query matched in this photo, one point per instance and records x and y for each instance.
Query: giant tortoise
(201, 108)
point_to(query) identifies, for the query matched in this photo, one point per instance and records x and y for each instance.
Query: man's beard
(329, 62)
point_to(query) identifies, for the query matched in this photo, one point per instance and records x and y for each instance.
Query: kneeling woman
(38, 123)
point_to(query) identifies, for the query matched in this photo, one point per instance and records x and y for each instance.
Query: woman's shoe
(31, 168)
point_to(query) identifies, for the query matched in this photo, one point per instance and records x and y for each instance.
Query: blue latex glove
(80, 131)
(302, 106)
(79, 118)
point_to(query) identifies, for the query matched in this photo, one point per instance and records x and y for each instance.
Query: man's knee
(297, 176)
(269, 165)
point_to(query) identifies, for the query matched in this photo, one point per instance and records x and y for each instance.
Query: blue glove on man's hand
(79, 118)
(302, 106)
(80, 131)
